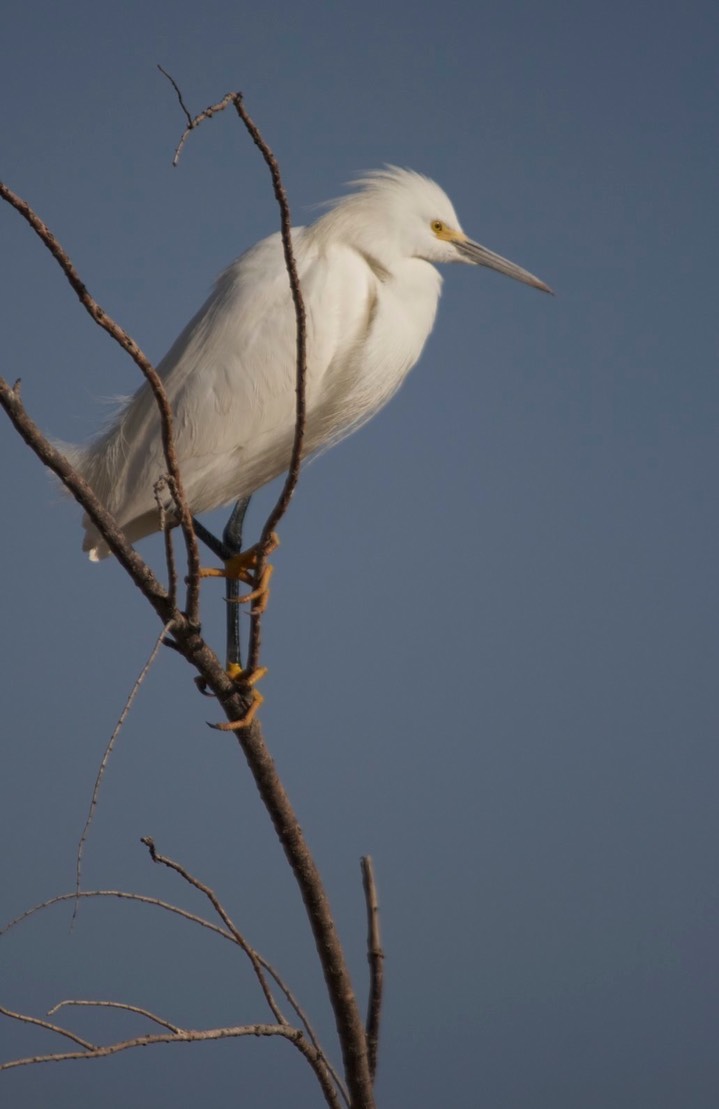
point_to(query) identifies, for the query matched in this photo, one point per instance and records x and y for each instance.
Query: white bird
(371, 289)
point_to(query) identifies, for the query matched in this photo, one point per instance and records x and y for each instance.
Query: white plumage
(371, 291)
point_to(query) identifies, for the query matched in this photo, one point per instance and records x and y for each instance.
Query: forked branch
(293, 472)
(182, 1035)
(232, 935)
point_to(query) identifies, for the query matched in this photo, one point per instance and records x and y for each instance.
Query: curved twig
(375, 958)
(226, 920)
(106, 757)
(294, 1035)
(194, 121)
(129, 345)
(177, 89)
(302, 1016)
(105, 522)
(23, 1018)
(80, 1002)
(293, 472)
(121, 895)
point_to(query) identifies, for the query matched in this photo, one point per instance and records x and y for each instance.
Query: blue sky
(492, 638)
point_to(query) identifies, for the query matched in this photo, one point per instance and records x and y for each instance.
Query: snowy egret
(371, 290)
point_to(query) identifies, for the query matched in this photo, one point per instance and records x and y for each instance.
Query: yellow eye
(437, 226)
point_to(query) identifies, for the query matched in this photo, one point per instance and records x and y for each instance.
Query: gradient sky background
(492, 638)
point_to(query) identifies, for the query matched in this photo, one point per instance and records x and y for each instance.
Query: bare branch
(339, 984)
(293, 472)
(308, 1027)
(126, 555)
(129, 345)
(193, 918)
(226, 920)
(294, 1035)
(175, 86)
(194, 121)
(122, 895)
(231, 696)
(23, 1018)
(375, 958)
(78, 1003)
(319, 913)
(186, 633)
(106, 757)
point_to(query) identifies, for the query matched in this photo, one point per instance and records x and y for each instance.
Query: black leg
(217, 546)
(232, 542)
(232, 535)
(224, 549)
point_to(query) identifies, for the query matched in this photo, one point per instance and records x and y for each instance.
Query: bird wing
(230, 378)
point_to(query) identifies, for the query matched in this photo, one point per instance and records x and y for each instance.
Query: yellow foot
(235, 671)
(242, 677)
(260, 595)
(243, 567)
(238, 725)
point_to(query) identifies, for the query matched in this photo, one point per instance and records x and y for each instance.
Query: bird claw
(248, 681)
(259, 596)
(244, 677)
(239, 725)
(242, 567)
(201, 684)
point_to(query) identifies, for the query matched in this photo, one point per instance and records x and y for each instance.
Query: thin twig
(193, 918)
(187, 639)
(288, 489)
(106, 758)
(293, 472)
(194, 121)
(122, 895)
(375, 958)
(23, 1018)
(80, 1002)
(299, 1012)
(294, 1035)
(106, 524)
(129, 345)
(176, 87)
(226, 920)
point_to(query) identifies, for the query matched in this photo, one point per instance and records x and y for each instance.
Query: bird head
(398, 214)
